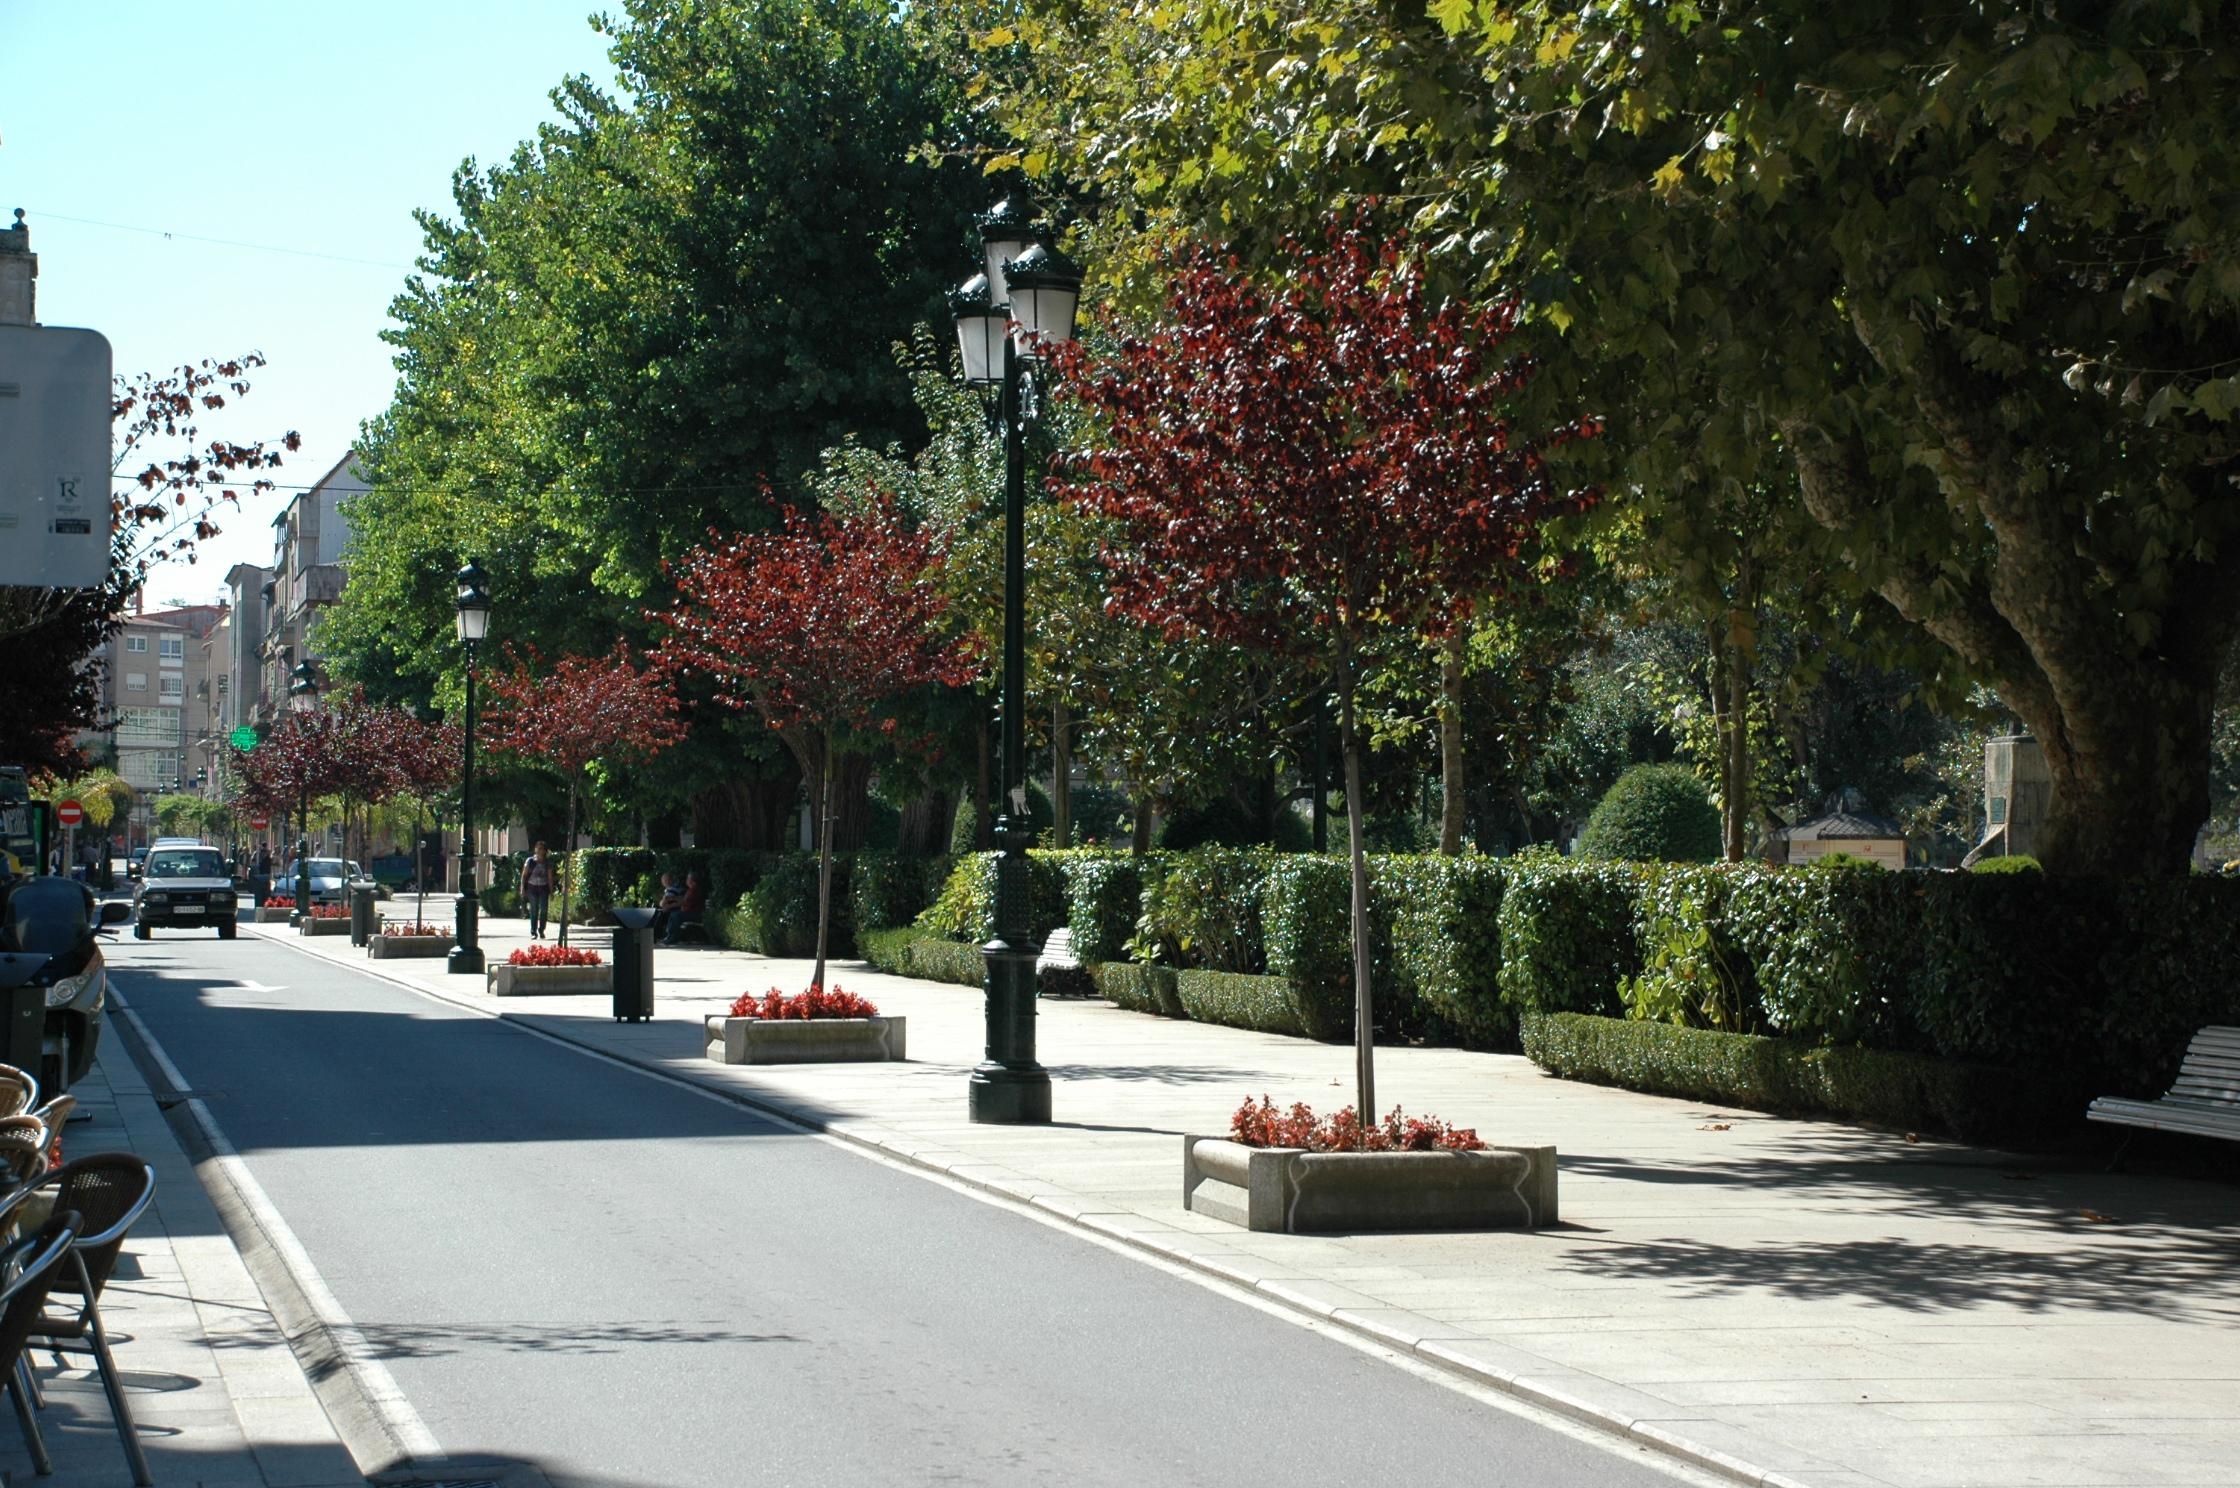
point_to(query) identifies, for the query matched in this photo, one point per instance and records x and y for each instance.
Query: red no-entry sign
(69, 813)
(259, 823)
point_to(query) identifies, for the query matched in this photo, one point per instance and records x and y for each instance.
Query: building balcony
(321, 584)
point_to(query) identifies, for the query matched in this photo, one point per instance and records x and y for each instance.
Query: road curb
(1438, 1354)
(383, 1436)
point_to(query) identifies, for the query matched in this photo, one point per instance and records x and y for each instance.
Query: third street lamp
(1026, 298)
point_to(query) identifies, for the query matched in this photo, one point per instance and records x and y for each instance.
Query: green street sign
(243, 738)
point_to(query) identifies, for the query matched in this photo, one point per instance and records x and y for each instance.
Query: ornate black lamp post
(1026, 298)
(303, 697)
(474, 624)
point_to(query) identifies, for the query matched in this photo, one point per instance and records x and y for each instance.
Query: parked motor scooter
(54, 982)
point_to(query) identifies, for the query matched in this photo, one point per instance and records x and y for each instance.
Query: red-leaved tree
(814, 627)
(583, 710)
(1317, 469)
(302, 760)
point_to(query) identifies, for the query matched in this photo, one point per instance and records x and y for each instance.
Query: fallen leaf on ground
(2095, 1216)
(1913, 1136)
(1716, 1126)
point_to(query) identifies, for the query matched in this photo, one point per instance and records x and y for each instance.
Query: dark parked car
(182, 887)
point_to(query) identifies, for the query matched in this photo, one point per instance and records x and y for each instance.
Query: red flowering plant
(279, 901)
(814, 1003)
(1262, 1125)
(552, 955)
(415, 929)
(327, 912)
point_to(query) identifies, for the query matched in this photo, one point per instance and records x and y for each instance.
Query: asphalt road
(570, 1264)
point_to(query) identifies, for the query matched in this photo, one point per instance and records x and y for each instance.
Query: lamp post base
(1000, 1095)
(466, 957)
(1009, 1088)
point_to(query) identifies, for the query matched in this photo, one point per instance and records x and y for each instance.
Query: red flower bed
(394, 928)
(552, 955)
(1263, 1125)
(279, 901)
(814, 1003)
(327, 912)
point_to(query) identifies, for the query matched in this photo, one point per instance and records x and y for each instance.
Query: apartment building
(155, 683)
(310, 540)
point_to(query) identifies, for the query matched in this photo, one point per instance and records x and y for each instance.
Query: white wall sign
(55, 401)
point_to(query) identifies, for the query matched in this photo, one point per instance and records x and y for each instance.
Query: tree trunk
(1061, 773)
(1454, 782)
(565, 865)
(1364, 1016)
(926, 822)
(824, 861)
(751, 812)
(1139, 840)
(983, 786)
(1735, 808)
(849, 809)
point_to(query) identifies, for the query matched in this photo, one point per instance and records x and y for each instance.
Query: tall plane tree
(1323, 468)
(814, 628)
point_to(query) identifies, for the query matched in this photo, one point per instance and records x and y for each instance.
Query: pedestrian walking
(536, 888)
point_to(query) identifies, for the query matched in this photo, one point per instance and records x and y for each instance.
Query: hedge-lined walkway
(1833, 1305)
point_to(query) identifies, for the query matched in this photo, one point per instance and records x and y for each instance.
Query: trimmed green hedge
(1974, 1102)
(887, 890)
(1307, 924)
(1446, 943)
(1202, 909)
(1566, 934)
(1139, 988)
(1104, 897)
(913, 953)
(1238, 1000)
(965, 909)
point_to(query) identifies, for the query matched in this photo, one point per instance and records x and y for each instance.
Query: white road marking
(375, 1383)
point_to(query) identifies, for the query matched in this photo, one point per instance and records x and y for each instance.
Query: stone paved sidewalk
(218, 1397)
(1793, 1302)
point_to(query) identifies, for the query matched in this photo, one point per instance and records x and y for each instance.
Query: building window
(172, 648)
(136, 643)
(148, 726)
(135, 681)
(171, 686)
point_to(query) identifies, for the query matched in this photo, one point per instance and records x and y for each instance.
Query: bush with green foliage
(1974, 1102)
(1104, 900)
(887, 890)
(1567, 939)
(966, 823)
(2011, 863)
(1202, 910)
(1267, 1004)
(1307, 929)
(1693, 972)
(909, 952)
(1139, 988)
(1445, 917)
(778, 916)
(1834, 952)
(1654, 814)
(965, 909)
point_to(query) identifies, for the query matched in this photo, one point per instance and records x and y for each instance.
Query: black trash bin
(633, 964)
(365, 920)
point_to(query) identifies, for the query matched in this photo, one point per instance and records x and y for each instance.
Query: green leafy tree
(1880, 247)
(648, 322)
(1654, 814)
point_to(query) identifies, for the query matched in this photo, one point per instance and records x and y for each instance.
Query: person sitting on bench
(687, 911)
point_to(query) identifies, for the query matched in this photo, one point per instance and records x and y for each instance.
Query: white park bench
(2205, 1101)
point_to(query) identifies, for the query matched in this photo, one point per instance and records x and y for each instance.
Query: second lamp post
(474, 623)
(1025, 298)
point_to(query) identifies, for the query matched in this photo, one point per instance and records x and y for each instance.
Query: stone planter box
(1297, 1192)
(804, 1040)
(325, 927)
(550, 981)
(394, 947)
(271, 916)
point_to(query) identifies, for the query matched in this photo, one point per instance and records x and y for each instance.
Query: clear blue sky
(312, 127)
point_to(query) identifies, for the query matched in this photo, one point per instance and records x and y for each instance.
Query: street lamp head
(303, 687)
(1045, 295)
(474, 603)
(1007, 231)
(981, 327)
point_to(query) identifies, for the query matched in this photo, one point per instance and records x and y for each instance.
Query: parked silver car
(330, 878)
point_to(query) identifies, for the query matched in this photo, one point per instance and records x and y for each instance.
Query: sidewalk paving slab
(1787, 1301)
